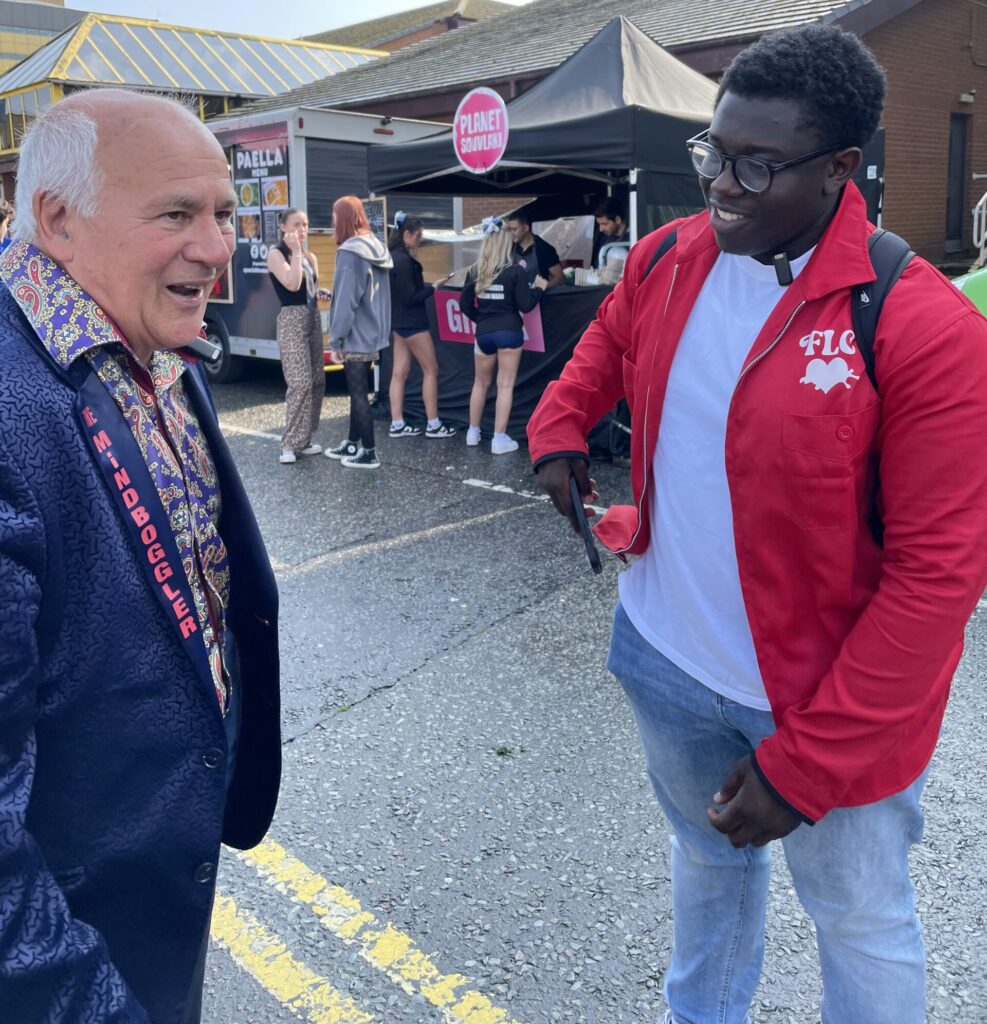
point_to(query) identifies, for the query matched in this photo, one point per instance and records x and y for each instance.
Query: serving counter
(552, 330)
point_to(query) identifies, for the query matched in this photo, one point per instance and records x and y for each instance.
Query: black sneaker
(342, 451)
(363, 460)
(440, 431)
(405, 430)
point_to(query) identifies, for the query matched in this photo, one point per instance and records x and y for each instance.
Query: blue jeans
(850, 869)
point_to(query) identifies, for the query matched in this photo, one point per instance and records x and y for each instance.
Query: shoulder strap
(889, 255)
(666, 243)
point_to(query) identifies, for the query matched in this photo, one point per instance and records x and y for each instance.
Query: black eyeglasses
(752, 174)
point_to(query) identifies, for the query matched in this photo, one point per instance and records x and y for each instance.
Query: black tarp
(619, 102)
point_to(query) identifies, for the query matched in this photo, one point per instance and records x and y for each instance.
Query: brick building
(935, 53)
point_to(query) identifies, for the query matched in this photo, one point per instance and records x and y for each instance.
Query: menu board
(377, 216)
(260, 177)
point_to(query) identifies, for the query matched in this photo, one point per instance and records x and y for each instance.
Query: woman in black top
(295, 274)
(409, 330)
(495, 295)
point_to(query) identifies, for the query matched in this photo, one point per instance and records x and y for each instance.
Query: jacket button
(844, 432)
(204, 873)
(212, 758)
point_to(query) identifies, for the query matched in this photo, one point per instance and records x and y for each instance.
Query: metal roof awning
(138, 53)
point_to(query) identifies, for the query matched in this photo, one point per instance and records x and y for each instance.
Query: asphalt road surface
(466, 833)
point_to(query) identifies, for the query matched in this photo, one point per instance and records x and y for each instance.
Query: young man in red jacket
(787, 664)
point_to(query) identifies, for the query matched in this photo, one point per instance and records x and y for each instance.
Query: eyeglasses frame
(702, 139)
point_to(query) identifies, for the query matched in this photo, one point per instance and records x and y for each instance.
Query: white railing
(980, 227)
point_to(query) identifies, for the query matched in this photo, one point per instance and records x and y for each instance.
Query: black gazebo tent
(617, 113)
(619, 104)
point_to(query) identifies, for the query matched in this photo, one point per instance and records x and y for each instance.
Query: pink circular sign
(479, 133)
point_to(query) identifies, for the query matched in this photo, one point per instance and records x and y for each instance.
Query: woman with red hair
(359, 322)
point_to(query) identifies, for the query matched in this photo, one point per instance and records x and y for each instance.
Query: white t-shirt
(683, 594)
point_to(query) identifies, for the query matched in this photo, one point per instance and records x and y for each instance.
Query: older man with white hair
(138, 639)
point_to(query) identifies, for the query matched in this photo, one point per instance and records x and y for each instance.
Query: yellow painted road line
(264, 956)
(380, 944)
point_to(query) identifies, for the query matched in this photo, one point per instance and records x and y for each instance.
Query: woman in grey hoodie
(359, 322)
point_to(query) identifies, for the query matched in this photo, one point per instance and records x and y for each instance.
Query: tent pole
(632, 204)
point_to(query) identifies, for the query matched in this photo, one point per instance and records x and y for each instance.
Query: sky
(295, 18)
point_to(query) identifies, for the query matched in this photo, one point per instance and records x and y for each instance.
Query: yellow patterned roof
(105, 49)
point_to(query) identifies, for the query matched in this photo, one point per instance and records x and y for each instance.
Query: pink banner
(454, 326)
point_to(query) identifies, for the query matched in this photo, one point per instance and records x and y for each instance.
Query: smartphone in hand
(577, 504)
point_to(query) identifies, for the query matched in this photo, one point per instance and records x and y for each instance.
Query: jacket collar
(841, 259)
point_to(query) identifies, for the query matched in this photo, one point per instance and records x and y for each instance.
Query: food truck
(302, 157)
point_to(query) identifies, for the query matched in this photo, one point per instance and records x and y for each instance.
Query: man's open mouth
(186, 291)
(728, 215)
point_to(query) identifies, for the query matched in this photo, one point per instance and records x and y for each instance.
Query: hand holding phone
(577, 506)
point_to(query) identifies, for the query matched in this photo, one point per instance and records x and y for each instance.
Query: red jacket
(856, 644)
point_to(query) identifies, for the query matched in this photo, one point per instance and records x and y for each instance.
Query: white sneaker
(312, 449)
(503, 445)
(287, 456)
(473, 437)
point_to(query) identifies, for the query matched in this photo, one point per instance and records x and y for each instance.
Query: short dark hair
(521, 215)
(611, 208)
(834, 77)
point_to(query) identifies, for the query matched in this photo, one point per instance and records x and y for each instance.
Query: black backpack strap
(889, 255)
(666, 243)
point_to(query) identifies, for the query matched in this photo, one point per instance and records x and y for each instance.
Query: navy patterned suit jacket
(113, 751)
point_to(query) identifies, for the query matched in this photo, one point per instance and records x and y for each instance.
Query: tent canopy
(619, 102)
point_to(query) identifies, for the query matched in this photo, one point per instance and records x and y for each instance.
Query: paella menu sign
(260, 177)
(479, 132)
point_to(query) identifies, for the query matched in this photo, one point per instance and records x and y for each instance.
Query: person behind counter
(295, 274)
(410, 335)
(611, 220)
(494, 296)
(533, 253)
(359, 321)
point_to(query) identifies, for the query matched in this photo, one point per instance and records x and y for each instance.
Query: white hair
(58, 157)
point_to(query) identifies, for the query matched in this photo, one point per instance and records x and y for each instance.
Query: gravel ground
(459, 760)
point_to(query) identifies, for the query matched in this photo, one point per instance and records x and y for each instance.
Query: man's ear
(53, 220)
(842, 167)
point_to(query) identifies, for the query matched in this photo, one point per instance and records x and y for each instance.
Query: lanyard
(123, 468)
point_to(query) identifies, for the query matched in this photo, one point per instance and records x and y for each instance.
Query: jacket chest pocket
(823, 459)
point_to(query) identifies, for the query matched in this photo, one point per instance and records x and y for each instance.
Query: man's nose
(726, 183)
(211, 245)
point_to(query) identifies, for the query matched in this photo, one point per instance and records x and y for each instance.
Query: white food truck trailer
(302, 157)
